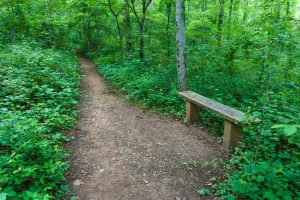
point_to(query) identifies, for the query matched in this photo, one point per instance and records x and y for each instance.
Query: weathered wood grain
(192, 112)
(228, 113)
(232, 134)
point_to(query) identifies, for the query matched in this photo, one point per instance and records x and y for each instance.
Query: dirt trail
(122, 152)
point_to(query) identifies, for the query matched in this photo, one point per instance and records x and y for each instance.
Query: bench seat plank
(228, 113)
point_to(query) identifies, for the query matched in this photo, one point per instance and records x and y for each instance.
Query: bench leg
(192, 112)
(232, 134)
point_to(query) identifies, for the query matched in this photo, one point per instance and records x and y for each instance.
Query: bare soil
(120, 151)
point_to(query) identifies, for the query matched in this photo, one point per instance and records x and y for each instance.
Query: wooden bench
(232, 131)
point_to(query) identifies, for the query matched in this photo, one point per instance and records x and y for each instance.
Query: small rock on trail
(77, 183)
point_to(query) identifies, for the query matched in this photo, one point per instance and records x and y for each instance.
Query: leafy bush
(267, 165)
(147, 86)
(268, 170)
(38, 98)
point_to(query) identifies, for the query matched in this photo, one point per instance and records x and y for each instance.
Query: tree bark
(245, 14)
(168, 39)
(141, 23)
(119, 30)
(229, 19)
(89, 34)
(49, 24)
(187, 13)
(142, 45)
(204, 5)
(278, 9)
(116, 15)
(288, 4)
(220, 22)
(127, 22)
(181, 45)
(297, 13)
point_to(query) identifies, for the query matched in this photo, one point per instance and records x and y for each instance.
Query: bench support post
(232, 134)
(192, 112)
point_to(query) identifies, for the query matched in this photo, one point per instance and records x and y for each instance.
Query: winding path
(122, 152)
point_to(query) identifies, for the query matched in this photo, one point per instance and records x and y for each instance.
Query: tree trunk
(141, 23)
(229, 19)
(245, 14)
(288, 4)
(220, 22)
(204, 5)
(278, 9)
(49, 24)
(127, 22)
(12, 25)
(116, 15)
(187, 13)
(168, 39)
(297, 13)
(141, 30)
(237, 7)
(181, 45)
(89, 34)
(119, 30)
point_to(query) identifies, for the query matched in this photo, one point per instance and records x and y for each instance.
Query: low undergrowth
(38, 98)
(156, 88)
(267, 165)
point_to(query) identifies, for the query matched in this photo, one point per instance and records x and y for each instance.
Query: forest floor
(120, 151)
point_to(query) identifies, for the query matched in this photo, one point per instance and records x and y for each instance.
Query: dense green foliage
(241, 53)
(38, 98)
(148, 86)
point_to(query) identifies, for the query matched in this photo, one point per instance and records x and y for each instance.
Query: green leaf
(12, 194)
(229, 197)
(3, 196)
(278, 126)
(290, 130)
(260, 179)
(203, 192)
(269, 195)
(4, 109)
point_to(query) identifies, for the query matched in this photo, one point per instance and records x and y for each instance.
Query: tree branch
(134, 11)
